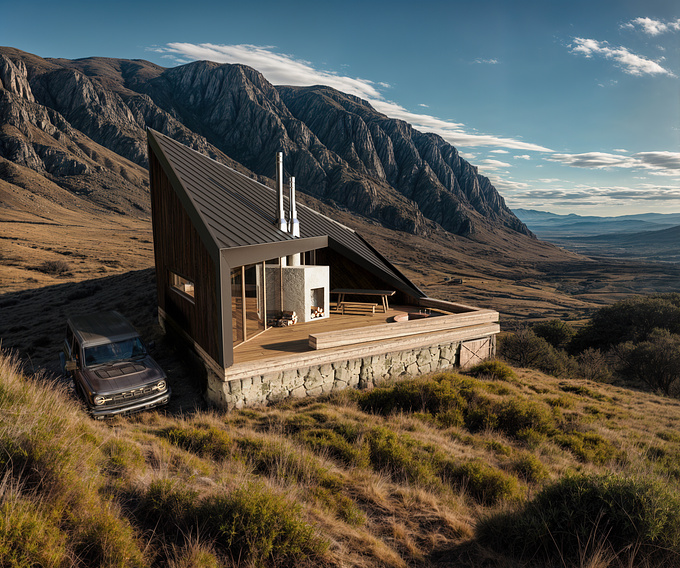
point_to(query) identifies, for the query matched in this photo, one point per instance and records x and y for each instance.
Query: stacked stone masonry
(364, 373)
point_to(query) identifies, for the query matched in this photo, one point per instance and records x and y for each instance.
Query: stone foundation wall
(362, 372)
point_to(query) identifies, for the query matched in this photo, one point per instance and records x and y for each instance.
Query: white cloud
(523, 157)
(653, 27)
(423, 105)
(486, 61)
(660, 163)
(283, 69)
(489, 164)
(278, 68)
(499, 152)
(630, 62)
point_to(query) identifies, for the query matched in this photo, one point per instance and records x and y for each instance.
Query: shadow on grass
(33, 323)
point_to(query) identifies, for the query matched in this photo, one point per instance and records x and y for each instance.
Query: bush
(483, 483)
(439, 394)
(206, 442)
(589, 447)
(493, 369)
(625, 516)
(28, 537)
(259, 526)
(397, 456)
(55, 267)
(530, 468)
(525, 349)
(655, 361)
(252, 523)
(592, 365)
(632, 319)
(556, 332)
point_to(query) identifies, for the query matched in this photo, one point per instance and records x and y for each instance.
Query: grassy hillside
(436, 471)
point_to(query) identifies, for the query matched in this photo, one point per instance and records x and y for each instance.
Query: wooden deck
(279, 341)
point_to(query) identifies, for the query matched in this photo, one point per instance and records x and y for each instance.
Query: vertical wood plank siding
(178, 247)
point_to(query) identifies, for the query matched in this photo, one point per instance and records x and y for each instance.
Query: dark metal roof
(240, 212)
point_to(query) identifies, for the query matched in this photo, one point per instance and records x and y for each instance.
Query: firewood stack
(317, 312)
(287, 318)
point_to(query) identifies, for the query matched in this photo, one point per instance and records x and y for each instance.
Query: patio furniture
(342, 292)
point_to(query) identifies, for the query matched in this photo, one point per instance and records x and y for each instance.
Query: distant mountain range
(80, 124)
(651, 236)
(549, 225)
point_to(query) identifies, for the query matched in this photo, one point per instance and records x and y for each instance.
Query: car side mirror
(70, 366)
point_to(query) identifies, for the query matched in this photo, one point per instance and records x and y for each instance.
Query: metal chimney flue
(293, 224)
(281, 214)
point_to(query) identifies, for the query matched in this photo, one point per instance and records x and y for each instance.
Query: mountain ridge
(346, 154)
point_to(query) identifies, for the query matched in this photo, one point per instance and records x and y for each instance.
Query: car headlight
(161, 385)
(99, 400)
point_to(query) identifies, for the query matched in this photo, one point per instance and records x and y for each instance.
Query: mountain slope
(339, 148)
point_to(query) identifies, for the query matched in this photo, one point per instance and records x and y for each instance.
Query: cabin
(277, 300)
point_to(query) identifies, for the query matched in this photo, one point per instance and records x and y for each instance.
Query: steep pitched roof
(236, 214)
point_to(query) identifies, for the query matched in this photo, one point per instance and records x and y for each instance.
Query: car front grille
(134, 394)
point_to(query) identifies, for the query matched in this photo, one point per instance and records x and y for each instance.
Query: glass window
(182, 285)
(236, 305)
(117, 351)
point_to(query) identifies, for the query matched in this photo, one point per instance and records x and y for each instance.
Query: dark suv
(110, 366)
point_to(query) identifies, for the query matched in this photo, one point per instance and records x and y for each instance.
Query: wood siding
(178, 247)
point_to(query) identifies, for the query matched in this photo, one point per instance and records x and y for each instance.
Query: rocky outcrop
(337, 146)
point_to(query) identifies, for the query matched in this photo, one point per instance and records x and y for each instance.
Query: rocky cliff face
(60, 117)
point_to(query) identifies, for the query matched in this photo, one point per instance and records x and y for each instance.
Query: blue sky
(566, 106)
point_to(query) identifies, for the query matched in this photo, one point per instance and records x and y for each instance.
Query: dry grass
(151, 490)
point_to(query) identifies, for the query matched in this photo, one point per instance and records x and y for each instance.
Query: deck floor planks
(295, 338)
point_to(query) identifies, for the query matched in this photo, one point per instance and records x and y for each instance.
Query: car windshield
(112, 352)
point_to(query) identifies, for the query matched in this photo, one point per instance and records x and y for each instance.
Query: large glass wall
(237, 304)
(247, 293)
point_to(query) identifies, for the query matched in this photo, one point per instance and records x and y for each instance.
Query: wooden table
(342, 292)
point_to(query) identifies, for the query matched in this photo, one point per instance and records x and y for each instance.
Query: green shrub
(554, 331)
(167, 505)
(589, 447)
(29, 537)
(493, 369)
(121, 457)
(344, 507)
(511, 417)
(439, 394)
(529, 468)
(485, 484)
(525, 349)
(593, 365)
(260, 527)
(398, 456)
(336, 446)
(632, 319)
(253, 523)
(628, 517)
(655, 361)
(206, 442)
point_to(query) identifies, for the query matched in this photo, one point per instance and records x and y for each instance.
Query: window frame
(173, 275)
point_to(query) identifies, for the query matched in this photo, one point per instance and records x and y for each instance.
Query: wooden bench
(357, 306)
(383, 294)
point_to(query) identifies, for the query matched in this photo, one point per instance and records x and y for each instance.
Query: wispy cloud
(284, 69)
(523, 157)
(659, 162)
(653, 27)
(489, 164)
(486, 61)
(278, 68)
(630, 62)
